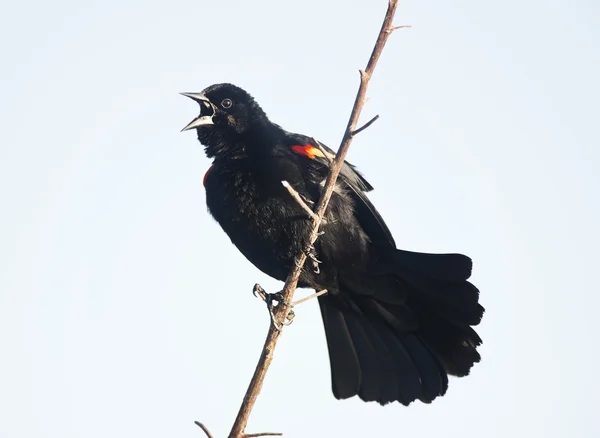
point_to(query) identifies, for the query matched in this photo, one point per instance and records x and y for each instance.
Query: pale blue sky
(119, 315)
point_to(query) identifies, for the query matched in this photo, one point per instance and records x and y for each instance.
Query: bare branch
(204, 428)
(366, 125)
(281, 311)
(299, 200)
(404, 26)
(250, 435)
(310, 297)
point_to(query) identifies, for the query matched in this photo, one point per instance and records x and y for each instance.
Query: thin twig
(281, 312)
(204, 428)
(310, 297)
(366, 125)
(310, 249)
(404, 26)
(299, 200)
(250, 435)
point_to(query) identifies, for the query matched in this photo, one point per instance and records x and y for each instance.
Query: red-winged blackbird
(397, 323)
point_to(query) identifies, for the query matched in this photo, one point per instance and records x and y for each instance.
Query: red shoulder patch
(206, 175)
(308, 150)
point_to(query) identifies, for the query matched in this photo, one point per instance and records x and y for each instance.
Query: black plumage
(397, 322)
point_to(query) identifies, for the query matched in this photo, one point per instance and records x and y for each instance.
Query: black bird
(397, 322)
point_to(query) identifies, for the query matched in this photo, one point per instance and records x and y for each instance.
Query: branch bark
(281, 311)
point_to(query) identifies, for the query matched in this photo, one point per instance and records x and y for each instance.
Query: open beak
(207, 111)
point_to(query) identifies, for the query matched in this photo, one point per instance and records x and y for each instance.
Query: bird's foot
(274, 300)
(311, 253)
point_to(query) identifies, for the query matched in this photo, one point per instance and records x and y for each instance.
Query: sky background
(124, 309)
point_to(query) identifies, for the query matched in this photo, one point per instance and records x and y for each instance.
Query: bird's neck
(262, 129)
(262, 138)
(257, 142)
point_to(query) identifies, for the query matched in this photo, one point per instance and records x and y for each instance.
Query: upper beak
(207, 111)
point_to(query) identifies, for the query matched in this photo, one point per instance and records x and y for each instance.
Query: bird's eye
(227, 103)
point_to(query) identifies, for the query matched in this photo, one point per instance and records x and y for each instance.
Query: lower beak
(205, 107)
(199, 121)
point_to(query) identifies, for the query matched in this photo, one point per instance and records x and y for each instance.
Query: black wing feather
(366, 213)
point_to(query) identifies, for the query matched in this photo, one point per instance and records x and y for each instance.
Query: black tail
(397, 336)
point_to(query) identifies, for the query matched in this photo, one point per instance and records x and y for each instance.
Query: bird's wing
(370, 219)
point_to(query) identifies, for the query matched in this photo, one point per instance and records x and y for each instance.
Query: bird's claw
(289, 319)
(258, 291)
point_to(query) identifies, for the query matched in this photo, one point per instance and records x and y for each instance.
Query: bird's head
(227, 113)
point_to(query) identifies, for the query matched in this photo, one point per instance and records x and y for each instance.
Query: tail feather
(392, 365)
(385, 288)
(345, 368)
(455, 345)
(389, 379)
(409, 380)
(462, 296)
(399, 317)
(448, 267)
(431, 372)
(368, 357)
(441, 303)
(396, 336)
